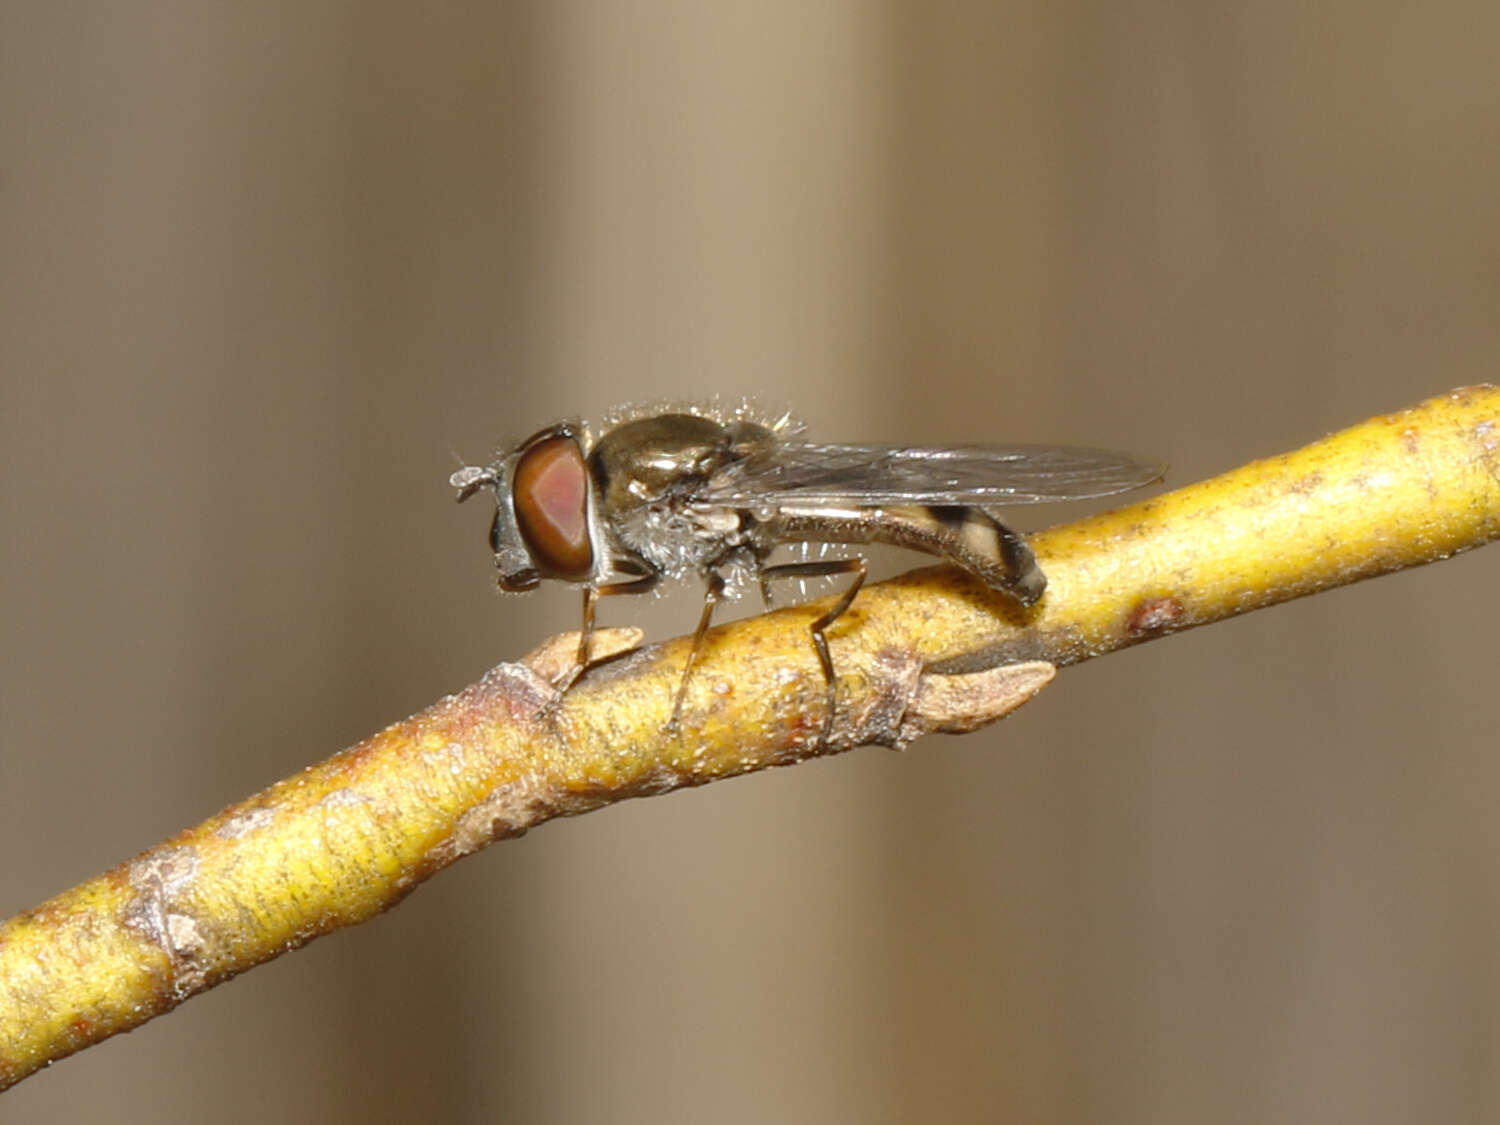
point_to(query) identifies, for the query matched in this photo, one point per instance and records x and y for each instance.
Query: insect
(671, 493)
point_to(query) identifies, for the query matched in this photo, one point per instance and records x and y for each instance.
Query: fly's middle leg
(827, 568)
(711, 595)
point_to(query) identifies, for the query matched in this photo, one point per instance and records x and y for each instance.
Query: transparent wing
(866, 475)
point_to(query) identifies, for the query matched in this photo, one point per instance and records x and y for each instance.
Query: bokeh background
(267, 270)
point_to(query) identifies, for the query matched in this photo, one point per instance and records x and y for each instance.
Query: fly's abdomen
(973, 539)
(967, 536)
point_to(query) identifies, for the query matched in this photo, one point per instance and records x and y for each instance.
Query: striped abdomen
(967, 536)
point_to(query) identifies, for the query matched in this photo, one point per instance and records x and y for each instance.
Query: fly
(708, 492)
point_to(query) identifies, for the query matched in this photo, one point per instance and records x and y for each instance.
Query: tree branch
(933, 650)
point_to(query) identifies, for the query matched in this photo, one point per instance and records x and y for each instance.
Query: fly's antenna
(471, 478)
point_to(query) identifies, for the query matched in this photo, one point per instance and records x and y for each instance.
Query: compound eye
(551, 491)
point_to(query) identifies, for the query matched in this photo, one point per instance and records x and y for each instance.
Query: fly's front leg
(711, 595)
(823, 569)
(585, 636)
(591, 596)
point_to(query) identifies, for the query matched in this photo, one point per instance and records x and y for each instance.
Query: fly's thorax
(678, 537)
(651, 460)
(647, 474)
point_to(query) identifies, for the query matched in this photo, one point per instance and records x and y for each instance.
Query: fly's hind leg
(827, 568)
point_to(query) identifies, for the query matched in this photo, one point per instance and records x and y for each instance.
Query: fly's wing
(980, 475)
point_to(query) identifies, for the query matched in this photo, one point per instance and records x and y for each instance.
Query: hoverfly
(709, 492)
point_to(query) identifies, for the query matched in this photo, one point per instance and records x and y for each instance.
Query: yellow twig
(932, 650)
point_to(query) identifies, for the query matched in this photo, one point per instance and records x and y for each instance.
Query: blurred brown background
(266, 269)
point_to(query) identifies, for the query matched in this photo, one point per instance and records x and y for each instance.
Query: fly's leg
(822, 569)
(711, 595)
(765, 589)
(591, 595)
(585, 635)
(769, 574)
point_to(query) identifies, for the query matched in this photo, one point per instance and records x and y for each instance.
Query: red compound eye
(551, 490)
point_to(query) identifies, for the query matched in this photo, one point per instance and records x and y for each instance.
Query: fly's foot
(557, 656)
(823, 568)
(552, 705)
(556, 662)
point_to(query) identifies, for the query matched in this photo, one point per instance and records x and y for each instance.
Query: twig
(933, 650)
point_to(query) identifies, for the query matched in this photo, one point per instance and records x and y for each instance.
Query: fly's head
(543, 499)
